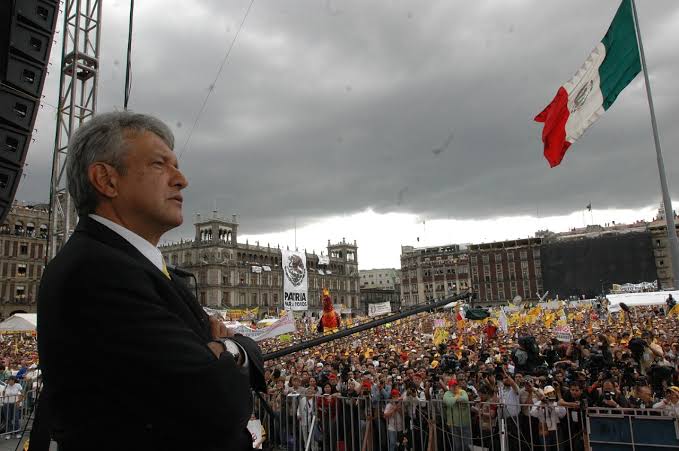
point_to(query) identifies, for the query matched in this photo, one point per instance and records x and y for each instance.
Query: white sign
(563, 333)
(266, 268)
(323, 260)
(320, 271)
(257, 431)
(284, 325)
(504, 322)
(257, 269)
(380, 308)
(295, 280)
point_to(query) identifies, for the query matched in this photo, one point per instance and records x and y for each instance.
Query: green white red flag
(610, 67)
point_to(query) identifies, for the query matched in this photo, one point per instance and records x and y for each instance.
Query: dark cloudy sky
(330, 108)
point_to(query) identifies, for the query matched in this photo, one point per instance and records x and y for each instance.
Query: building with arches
(23, 247)
(245, 275)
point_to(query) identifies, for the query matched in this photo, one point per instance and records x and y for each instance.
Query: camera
(609, 395)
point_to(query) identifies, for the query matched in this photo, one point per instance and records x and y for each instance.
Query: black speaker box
(13, 145)
(26, 33)
(9, 182)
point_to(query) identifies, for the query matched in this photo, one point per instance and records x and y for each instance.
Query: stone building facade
(433, 272)
(239, 275)
(385, 278)
(23, 247)
(502, 270)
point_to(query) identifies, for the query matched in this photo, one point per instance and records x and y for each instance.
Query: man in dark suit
(130, 359)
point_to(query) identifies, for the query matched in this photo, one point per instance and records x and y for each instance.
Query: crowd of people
(18, 375)
(474, 382)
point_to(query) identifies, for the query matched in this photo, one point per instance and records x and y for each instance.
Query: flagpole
(673, 242)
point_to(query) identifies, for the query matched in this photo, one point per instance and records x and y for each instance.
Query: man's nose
(180, 180)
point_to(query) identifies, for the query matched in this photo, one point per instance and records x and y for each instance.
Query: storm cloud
(332, 107)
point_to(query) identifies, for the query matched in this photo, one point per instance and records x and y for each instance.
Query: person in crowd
(327, 408)
(609, 395)
(306, 410)
(393, 413)
(11, 407)
(458, 418)
(669, 405)
(484, 418)
(574, 401)
(642, 397)
(509, 392)
(549, 415)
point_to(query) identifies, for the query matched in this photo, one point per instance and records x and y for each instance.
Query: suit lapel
(197, 318)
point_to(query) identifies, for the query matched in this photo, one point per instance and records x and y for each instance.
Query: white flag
(295, 280)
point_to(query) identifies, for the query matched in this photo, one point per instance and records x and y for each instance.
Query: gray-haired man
(108, 301)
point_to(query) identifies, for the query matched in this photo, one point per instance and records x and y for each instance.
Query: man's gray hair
(102, 139)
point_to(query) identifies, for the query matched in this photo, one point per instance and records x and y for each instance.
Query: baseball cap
(452, 382)
(395, 392)
(548, 390)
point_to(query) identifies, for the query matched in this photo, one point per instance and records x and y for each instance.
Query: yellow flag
(440, 336)
(674, 311)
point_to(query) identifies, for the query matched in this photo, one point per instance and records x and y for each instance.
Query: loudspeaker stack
(26, 34)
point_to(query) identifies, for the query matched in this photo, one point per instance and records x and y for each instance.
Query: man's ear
(104, 179)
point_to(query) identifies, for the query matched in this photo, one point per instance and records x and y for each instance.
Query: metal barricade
(632, 429)
(15, 411)
(302, 422)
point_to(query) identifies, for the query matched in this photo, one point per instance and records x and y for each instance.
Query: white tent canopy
(20, 322)
(645, 298)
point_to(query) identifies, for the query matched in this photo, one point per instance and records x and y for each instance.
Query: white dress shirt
(148, 250)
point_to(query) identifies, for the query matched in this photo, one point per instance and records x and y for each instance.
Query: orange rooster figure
(330, 320)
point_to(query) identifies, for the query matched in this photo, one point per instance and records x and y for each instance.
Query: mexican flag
(610, 67)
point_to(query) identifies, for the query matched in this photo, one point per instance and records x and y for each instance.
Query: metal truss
(77, 104)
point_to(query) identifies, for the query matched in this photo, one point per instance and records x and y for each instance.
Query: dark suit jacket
(124, 355)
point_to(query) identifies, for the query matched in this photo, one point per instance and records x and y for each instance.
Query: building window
(485, 258)
(241, 299)
(498, 258)
(21, 270)
(23, 248)
(510, 256)
(524, 255)
(20, 293)
(473, 259)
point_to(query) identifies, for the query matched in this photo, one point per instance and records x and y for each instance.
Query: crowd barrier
(631, 429)
(329, 423)
(16, 411)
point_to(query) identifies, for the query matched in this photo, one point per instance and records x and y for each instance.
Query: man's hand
(218, 329)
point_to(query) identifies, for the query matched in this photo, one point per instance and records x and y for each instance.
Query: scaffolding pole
(77, 104)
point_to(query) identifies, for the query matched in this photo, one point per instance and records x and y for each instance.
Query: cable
(128, 69)
(214, 83)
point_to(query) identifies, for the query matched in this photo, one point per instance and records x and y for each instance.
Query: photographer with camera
(549, 414)
(609, 396)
